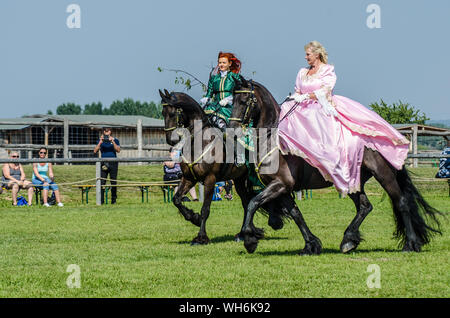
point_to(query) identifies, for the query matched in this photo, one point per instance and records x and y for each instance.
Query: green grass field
(143, 250)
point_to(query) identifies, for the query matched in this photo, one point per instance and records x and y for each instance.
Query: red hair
(235, 63)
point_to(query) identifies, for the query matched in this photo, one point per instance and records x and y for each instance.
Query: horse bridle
(249, 105)
(179, 118)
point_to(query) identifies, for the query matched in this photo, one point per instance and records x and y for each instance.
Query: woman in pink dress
(329, 131)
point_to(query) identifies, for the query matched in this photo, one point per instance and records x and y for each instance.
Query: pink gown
(334, 143)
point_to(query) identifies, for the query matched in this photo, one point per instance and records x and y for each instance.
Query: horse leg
(251, 234)
(401, 201)
(188, 214)
(241, 190)
(202, 238)
(312, 243)
(352, 236)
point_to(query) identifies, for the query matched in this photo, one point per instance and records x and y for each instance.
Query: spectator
(444, 164)
(172, 171)
(43, 178)
(14, 178)
(227, 186)
(109, 148)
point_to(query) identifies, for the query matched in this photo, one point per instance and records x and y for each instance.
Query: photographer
(109, 148)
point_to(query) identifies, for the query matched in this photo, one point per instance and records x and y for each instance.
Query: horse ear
(161, 94)
(167, 93)
(244, 82)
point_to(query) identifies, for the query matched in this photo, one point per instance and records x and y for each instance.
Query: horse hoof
(200, 241)
(251, 243)
(412, 247)
(311, 249)
(238, 238)
(347, 247)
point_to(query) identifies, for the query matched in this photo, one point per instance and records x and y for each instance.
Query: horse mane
(273, 111)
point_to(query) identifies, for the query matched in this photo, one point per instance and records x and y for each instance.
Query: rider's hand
(299, 98)
(329, 110)
(204, 101)
(226, 101)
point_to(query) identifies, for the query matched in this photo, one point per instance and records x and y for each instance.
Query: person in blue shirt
(109, 147)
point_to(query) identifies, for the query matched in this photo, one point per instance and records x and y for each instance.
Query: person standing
(109, 148)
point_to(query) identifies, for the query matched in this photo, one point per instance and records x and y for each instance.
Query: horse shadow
(327, 251)
(228, 238)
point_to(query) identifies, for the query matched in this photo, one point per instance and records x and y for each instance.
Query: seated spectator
(43, 178)
(444, 164)
(172, 171)
(227, 186)
(14, 178)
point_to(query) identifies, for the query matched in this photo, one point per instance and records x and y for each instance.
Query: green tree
(399, 113)
(68, 109)
(93, 109)
(130, 107)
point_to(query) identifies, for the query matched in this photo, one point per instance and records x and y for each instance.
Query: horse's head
(173, 116)
(245, 104)
(179, 111)
(253, 103)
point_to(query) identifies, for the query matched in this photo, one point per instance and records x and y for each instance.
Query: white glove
(226, 101)
(204, 101)
(329, 110)
(299, 98)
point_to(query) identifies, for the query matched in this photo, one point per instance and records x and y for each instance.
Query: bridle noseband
(179, 118)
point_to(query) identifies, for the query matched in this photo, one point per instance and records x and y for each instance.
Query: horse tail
(418, 210)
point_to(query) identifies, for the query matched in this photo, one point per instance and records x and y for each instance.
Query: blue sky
(116, 52)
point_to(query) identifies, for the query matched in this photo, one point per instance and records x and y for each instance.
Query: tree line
(128, 106)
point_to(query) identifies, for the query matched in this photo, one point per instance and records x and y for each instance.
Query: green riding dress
(221, 86)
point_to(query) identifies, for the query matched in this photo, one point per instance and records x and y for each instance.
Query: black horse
(253, 102)
(182, 111)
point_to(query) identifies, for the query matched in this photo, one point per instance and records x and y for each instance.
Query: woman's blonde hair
(318, 48)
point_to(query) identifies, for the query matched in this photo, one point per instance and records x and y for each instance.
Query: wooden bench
(37, 193)
(166, 186)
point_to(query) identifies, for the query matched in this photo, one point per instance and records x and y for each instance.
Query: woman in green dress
(218, 101)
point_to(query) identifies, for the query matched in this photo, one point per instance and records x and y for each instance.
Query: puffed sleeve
(328, 78)
(323, 94)
(298, 81)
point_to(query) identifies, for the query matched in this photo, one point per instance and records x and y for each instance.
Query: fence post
(98, 183)
(66, 140)
(139, 138)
